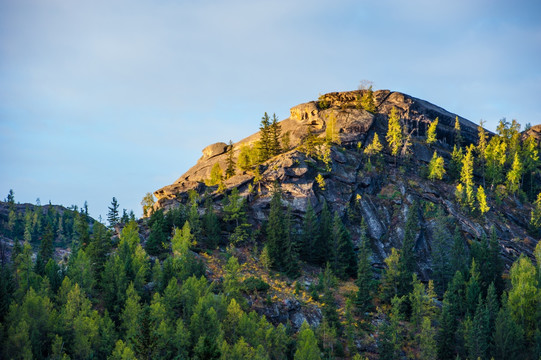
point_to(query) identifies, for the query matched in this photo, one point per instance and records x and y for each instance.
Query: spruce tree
(344, 263)
(458, 134)
(112, 215)
(394, 133)
(307, 348)
(265, 140)
(459, 254)
(363, 298)
(455, 166)
(323, 244)
(407, 264)
(211, 226)
(309, 235)
(436, 168)
(46, 250)
(367, 100)
(441, 262)
(230, 170)
(275, 147)
(276, 233)
(431, 132)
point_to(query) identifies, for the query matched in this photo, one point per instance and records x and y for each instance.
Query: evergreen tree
(466, 178)
(211, 226)
(275, 135)
(265, 140)
(441, 262)
(230, 170)
(407, 264)
(392, 276)
(46, 250)
(482, 200)
(309, 235)
(459, 255)
(363, 299)
(99, 247)
(427, 340)
(473, 289)
(524, 295)
(367, 100)
(244, 161)
(394, 133)
(307, 348)
(344, 263)
(535, 218)
(436, 168)
(323, 244)
(508, 335)
(477, 333)
(112, 215)
(157, 238)
(276, 231)
(458, 134)
(216, 175)
(431, 132)
(514, 175)
(455, 167)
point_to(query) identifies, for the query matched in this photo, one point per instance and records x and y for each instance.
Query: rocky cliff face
(382, 195)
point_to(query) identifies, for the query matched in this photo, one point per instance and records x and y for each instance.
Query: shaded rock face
(382, 196)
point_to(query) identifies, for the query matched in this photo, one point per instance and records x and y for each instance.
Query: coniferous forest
(204, 281)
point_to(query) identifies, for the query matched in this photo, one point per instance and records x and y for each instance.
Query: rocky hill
(381, 195)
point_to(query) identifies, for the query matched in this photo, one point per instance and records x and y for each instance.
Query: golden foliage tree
(431, 132)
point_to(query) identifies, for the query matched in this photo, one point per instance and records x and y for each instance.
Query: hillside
(367, 225)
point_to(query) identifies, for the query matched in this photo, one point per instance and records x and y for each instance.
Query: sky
(116, 98)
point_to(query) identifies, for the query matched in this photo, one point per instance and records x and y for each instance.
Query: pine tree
(514, 175)
(508, 335)
(459, 255)
(363, 299)
(466, 178)
(344, 263)
(458, 135)
(46, 250)
(112, 215)
(482, 200)
(307, 348)
(265, 140)
(230, 170)
(407, 264)
(455, 167)
(394, 133)
(367, 100)
(154, 245)
(436, 168)
(323, 244)
(309, 235)
(275, 135)
(431, 132)
(473, 289)
(441, 262)
(535, 218)
(216, 175)
(374, 148)
(391, 276)
(276, 232)
(244, 161)
(211, 226)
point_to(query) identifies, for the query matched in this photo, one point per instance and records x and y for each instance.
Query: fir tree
(431, 132)
(275, 135)
(458, 134)
(514, 175)
(344, 263)
(466, 178)
(46, 250)
(394, 133)
(459, 255)
(455, 166)
(211, 226)
(265, 140)
(230, 170)
(482, 200)
(436, 168)
(307, 348)
(535, 218)
(309, 235)
(407, 264)
(367, 100)
(112, 215)
(323, 244)
(276, 231)
(363, 299)
(441, 262)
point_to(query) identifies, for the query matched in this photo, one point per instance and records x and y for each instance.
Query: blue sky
(117, 98)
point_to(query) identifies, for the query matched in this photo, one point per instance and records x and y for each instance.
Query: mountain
(381, 194)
